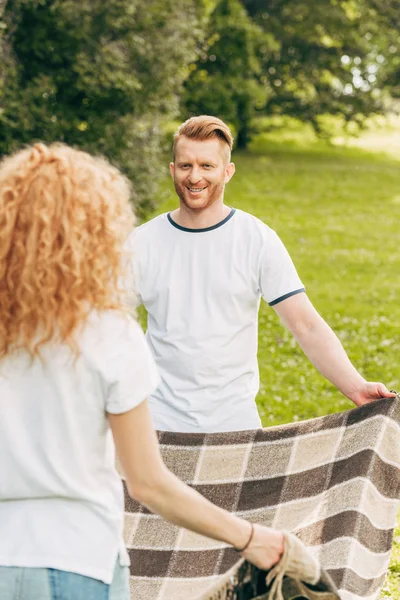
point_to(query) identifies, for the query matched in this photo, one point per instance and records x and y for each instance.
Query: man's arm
(130, 281)
(321, 345)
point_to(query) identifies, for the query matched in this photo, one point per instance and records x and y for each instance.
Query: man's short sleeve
(131, 264)
(278, 278)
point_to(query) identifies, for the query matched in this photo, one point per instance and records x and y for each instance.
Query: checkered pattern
(334, 481)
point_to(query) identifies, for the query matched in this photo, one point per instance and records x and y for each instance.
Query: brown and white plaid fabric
(334, 481)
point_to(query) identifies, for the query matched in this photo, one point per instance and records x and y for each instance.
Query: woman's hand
(265, 548)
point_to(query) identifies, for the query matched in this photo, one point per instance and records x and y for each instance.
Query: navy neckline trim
(204, 229)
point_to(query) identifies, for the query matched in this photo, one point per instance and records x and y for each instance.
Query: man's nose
(195, 175)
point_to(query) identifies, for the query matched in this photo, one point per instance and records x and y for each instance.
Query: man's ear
(229, 171)
(172, 169)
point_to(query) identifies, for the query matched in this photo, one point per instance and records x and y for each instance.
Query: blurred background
(111, 77)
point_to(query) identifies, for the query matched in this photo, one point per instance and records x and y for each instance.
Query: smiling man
(200, 272)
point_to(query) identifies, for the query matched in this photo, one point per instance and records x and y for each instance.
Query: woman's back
(61, 500)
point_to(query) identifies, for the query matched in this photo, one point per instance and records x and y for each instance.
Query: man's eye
(207, 166)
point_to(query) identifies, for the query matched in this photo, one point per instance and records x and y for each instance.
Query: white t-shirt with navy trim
(61, 498)
(202, 290)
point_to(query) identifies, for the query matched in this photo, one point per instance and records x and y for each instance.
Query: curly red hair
(64, 217)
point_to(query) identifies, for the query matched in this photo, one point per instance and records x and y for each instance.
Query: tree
(387, 14)
(227, 78)
(103, 76)
(303, 58)
(327, 57)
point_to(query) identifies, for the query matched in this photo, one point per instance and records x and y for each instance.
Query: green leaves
(303, 58)
(102, 76)
(108, 76)
(226, 79)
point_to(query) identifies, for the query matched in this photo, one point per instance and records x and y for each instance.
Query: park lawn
(337, 210)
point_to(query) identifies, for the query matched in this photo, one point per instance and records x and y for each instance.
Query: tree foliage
(227, 78)
(106, 76)
(387, 15)
(303, 58)
(327, 57)
(103, 76)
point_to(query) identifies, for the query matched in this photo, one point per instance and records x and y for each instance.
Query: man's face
(200, 171)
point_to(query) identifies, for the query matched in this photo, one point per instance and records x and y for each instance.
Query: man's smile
(194, 190)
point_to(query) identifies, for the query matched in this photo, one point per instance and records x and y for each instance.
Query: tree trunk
(243, 122)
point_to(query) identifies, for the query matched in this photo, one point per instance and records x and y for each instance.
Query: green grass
(337, 209)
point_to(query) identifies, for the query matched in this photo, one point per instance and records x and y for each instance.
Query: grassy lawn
(338, 211)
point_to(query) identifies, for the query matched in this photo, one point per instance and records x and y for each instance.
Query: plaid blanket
(334, 481)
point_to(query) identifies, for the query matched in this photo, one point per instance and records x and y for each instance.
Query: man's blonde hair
(204, 127)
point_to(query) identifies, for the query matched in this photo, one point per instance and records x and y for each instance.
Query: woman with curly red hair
(74, 374)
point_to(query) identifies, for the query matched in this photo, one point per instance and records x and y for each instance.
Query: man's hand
(369, 392)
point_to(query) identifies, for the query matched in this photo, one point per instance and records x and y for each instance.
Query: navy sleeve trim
(286, 296)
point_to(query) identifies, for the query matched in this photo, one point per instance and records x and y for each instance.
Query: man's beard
(212, 197)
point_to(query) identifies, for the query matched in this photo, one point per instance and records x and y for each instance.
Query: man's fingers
(388, 394)
(379, 390)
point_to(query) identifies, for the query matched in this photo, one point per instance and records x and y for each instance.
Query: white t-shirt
(202, 289)
(61, 499)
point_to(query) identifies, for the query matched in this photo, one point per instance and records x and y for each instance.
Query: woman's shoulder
(112, 322)
(109, 335)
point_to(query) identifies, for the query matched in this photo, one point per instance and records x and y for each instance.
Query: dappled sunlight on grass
(382, 136)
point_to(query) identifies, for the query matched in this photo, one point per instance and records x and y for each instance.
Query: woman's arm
(151, 483)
